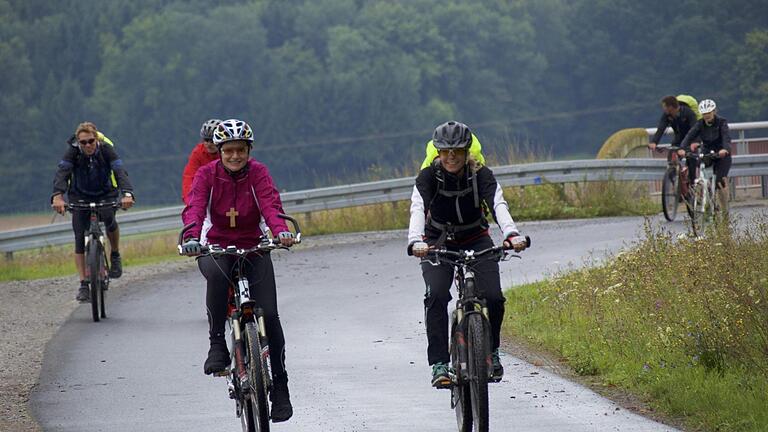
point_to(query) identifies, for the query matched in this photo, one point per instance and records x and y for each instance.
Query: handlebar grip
(295, 224)
(184, 231)
(527, 241)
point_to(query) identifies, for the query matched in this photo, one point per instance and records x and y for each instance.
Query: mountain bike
(470, 345)
(674, 185)
(704, 202)
(96, 262)
(249, 377)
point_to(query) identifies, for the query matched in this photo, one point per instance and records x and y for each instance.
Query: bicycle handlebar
(704, 156)
(264, 245)
(471, 255)
(93, 205)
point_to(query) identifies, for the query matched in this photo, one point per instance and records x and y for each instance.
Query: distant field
(24, 220)
(11, 222)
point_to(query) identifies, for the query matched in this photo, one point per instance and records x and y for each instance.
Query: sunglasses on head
(88, 141)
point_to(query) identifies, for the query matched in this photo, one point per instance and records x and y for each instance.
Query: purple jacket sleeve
(269, 201)
(197, 201)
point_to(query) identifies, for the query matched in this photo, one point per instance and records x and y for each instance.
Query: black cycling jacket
(89, 177)
(440, 198)
(681, 124)
(713, 137)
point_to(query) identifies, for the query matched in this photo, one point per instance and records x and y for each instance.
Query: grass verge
(681, 324)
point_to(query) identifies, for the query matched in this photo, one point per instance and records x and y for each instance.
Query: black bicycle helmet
(452, 135)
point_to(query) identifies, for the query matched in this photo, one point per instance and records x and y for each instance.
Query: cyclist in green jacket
(475, 151)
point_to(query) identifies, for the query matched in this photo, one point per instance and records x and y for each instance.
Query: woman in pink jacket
(232, 201)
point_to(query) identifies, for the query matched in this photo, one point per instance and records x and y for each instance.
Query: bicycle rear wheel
(93, 264)
(670, 194)
(460, 394)
(479, 362)
(256, 406)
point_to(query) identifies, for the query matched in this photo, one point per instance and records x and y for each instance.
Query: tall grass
(682, 323)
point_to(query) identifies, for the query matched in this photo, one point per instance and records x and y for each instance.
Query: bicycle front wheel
(256, 406)
(479, 361)
(670, 194)
(103, 288)
(460, 394)
(702, 209)
(93, 263)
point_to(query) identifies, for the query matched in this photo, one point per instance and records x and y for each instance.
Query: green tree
(752, 76)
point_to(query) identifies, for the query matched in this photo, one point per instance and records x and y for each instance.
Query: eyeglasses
(456, 151)
(208, 141)
(88, 141)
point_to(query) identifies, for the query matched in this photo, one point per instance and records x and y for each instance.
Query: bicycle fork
(458, 324)
(239, 354)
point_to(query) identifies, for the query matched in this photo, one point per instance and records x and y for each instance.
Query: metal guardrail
(335, 197)
(740, 127)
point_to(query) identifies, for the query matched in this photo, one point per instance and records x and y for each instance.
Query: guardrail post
(764, 185)
(9, 255)
(394, 212)
(743, 149)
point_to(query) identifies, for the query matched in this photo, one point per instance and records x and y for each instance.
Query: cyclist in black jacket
(447, 209)
(85, 174)
(715, 136)
(679, 116)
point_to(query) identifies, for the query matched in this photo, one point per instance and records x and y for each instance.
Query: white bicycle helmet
(707, 106)
(232, 130)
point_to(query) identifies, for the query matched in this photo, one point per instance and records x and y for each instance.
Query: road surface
(356, 348)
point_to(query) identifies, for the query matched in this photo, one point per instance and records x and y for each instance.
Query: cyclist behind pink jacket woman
(232, 202)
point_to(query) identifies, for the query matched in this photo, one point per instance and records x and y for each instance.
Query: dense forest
(340, 90)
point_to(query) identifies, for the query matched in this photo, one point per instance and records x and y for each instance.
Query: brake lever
(507, 256)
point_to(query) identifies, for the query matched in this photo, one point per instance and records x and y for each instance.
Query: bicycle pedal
(224, 373)
(444, 385)
(494, 379)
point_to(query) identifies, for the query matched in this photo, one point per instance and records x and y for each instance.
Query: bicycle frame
(467, 303)
(705, 204)
(705, 176)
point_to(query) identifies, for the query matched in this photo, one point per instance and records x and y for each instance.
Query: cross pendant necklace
(232, 213)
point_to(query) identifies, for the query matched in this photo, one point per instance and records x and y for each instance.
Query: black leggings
(439, 279)
(261, 281)
(81, 221)
(721, 167)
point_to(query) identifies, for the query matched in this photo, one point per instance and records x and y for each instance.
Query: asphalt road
(356, 348)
